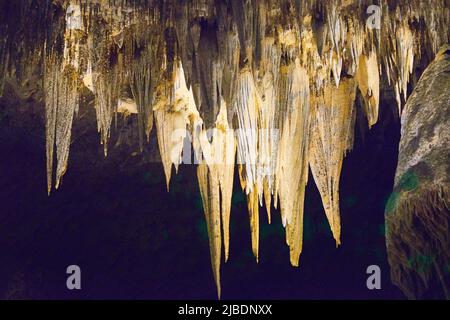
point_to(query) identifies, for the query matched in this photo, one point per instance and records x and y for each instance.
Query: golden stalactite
(253, 211)
(175, 112)
(215, 178)
(247, 105)
(292, 165)
(209, 190)
(219, 156)
(330, 129)
(368, 81)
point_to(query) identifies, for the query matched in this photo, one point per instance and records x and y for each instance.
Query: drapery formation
(267, 87)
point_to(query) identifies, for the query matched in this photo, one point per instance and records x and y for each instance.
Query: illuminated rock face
(418, 212)
(274, 81)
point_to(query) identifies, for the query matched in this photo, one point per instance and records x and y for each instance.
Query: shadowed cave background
(132, 239)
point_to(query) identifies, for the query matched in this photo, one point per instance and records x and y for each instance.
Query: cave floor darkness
(133, 240)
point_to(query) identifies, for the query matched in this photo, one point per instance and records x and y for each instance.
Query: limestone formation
(267, 85)
(418, 211)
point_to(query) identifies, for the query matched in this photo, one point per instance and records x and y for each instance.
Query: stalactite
(142, 89)
(209, 190)
(62, 101)
(368, 80)
(164, 126)
(247, 104)
(215, 178)
(106, 94)
(253, 211)
(292, 164)
(332, 112)
(62, 97)
(268, 83)
(404, 61)
(51, 107)
(174, 109)
(247, 107)
(337, 32)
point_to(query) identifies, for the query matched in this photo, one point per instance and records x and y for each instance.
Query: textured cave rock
(418, 211)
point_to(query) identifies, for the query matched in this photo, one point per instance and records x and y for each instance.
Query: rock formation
(418, 212)
(275, 81)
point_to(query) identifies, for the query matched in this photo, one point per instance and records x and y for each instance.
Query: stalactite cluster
(275, 81)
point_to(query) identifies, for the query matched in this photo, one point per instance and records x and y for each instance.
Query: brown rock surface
(418, 213)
